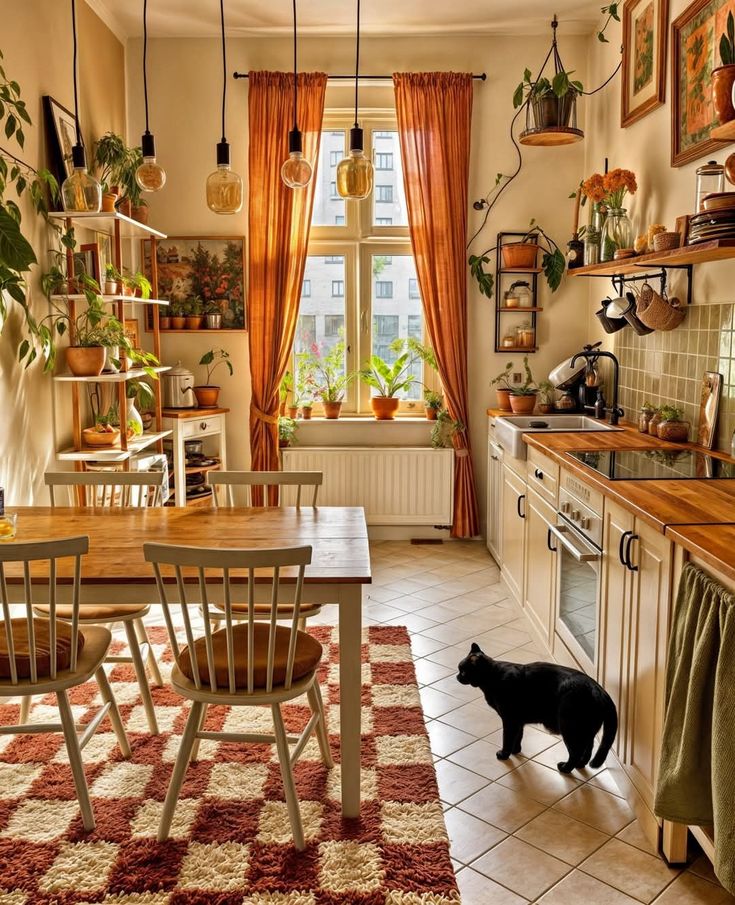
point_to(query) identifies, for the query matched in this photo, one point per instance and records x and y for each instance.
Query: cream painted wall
(36, 42)
(185, 85)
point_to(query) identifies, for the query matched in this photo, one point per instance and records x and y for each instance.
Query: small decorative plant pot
(92, 437)
(283, 444)
(332, 409)
(306, 412)
(207, 397)
(546, 408)
(128, 290)
(523, 405)
(112, 287)
(430, 413)
(178, 322)
(293, 411)
(193, 321)
(140, 213)
(86, 361)
(673, 431)
(214, 321)
(653, 424)
(519, 255)
(108, 202)
(384, 407)
(723, 79)
(504, 400)
(164, 322)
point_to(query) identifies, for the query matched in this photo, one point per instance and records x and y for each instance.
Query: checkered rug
(231, 839)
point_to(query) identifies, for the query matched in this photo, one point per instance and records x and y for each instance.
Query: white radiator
(407, 486)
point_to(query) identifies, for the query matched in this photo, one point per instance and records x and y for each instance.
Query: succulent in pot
(523, 396)
(723, 77)
(672, 427)
(503, 387)
(208, 394)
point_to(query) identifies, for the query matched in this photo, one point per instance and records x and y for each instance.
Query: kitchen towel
(696, 781)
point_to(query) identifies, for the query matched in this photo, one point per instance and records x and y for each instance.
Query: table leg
(350, 683)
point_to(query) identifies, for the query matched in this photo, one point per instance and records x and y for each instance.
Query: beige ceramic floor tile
(581, 889)
(521, 867)
(445, 739)
(427, 672)
(534, 741)
(596, 807)
(633, 834)
(561, 836)
(456, 783)
(605, 780)
(469, 837)
(689, 889)
(477, 889)
(436, 703)
(540, 782)
(702, 867)
(558, 752)
(504, 808)
(476, 718)
(630, 870)
(480, 757)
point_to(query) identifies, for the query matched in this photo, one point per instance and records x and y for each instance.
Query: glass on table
(8, 522)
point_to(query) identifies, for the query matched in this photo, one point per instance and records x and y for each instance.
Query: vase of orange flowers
(617, 233)
(594, 191)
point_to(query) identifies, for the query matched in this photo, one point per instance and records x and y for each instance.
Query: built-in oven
(577, 540)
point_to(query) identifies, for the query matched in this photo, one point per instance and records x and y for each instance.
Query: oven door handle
(563, 535)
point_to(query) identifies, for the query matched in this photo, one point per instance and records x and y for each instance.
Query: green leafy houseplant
(502, 386)
(523, 395)
(111, 156)
(208, 394)
(444, 430)
(287, 428)
(389, 379)
(553, 262)
(137, 284)
(672, 426)
(329, 375)
(723, 77)
(433, 400)
(546, 396)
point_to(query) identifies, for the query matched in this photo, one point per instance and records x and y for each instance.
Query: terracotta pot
(293, 411)
(164, 322)
(193, 321)
(140, 213)
(384, 407)
(108, 202)
(519, 255)
(332, 409)
(430, 413)
(723, 79)
(306, 412)
(207, 397)
(86, 361)
(124, 207)
(546, 408)
(673, 431)
(523, 405)
(503, 400)
(178, 322)
(282, 444)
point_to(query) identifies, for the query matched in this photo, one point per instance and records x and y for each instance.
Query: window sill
(364, 430)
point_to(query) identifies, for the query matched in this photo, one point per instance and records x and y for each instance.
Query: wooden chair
(248, 481)
(51, 655)
(243, 665)
(105, 490)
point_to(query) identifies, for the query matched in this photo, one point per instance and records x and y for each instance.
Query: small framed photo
(645, 30)
(130, 329)
(87, 261)
(62, 129)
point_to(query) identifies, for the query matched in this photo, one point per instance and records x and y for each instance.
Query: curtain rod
(350, 78)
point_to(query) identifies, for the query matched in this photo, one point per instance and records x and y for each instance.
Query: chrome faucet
(613, 410)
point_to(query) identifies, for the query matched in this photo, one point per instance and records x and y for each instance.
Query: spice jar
(644, 418)
(508, 341)
(518, 296)
(525, 336)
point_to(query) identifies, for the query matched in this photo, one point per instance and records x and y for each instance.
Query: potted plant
(327, 375)
(443, 431)
(307, 407)
(213, 316)
(551, 101)
(111, 158)
(723, 77)
(113, 280)
(208, 394)
(502, 386)
(194, 316)
(136, 284)
(389, 380)
(523, 396)
(287, 428)
(164, 318)
(178, 315)
(672, 426)
(547, 395)
(285, 388)
(140, 397)
(522, 255)
(138, 208)
(433, 403)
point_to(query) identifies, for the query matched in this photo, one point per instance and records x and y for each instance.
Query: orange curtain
(434, 114)
(279, 219)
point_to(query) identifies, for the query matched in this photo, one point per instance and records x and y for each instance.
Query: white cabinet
(540, 566)
(207, 425)
(513, 531)
(494, 524)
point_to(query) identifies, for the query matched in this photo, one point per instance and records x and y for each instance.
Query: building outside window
(306, 289)
(384, 194)
(413, 288)
(333, 324)
(384, 289)
(338, 288)
(384, 221)
(383, 160)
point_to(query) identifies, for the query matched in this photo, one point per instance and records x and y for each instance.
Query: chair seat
(98, 612)
(306, 660)
(22, 647)
(284, 610)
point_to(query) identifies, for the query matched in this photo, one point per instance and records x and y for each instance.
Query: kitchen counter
(713, 545)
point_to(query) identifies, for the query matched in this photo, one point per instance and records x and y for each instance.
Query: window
(362, 278)
(334, 158)
(306, 289)
(333, 193)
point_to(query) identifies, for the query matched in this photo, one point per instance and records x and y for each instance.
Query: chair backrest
(249, 480)
(28, 553)
(107, 489)
(219, 564)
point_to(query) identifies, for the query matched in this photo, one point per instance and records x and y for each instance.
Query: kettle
(177, 388)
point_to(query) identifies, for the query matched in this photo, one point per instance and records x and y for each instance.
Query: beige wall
(36, 41)
(185, 85)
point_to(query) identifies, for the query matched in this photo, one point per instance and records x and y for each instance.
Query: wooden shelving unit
(120, 228)
(531, 311)
(686, 256)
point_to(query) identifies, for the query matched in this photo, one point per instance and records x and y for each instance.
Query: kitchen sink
(509, 430)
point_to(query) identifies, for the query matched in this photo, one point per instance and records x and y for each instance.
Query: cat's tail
(610, 728)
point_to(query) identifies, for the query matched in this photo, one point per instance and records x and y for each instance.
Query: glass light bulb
(81, 191)
(355, 175)
(224, 190)
(296, 171)
(150, 176)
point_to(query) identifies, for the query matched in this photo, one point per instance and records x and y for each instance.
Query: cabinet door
(513, 524)
(494, 501)
(540, 566)
(650, 605)
(614, 635)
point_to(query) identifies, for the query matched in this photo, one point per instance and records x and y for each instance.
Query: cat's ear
(475, 648)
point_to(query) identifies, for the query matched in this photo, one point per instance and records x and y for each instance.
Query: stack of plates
(715, 224)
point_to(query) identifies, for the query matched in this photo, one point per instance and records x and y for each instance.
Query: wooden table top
(338, 536)
(713, 545)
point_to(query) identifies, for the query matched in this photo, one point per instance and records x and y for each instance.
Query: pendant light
(296, 171)
(150, 176)
(355, 172)
(80, 191)
(224, 186)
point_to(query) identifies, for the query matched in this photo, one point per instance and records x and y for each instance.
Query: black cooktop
(656, 465)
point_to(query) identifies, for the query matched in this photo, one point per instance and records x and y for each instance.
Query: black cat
(565, 701)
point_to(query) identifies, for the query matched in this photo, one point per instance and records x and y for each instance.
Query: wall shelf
(521, 310)
(110, 376)
(530, 311)
(103, 222)
(686, 256)
(521, 270)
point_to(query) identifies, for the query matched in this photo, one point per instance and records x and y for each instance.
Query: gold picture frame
(643, 81)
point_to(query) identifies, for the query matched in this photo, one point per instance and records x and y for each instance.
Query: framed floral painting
(645, 30)
(211, 268)
(695, 52)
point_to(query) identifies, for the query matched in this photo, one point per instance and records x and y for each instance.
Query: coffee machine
(579, 385)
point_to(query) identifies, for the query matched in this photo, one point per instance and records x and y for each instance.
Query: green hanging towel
(696, 777)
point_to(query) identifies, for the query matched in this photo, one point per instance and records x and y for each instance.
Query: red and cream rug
(231, 841)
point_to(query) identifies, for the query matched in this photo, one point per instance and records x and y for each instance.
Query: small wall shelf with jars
(516, 297)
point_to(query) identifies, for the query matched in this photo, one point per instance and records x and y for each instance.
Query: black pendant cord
(76, 90)
(145, 63)
(295, 74)
(357, 61)
(224, 66)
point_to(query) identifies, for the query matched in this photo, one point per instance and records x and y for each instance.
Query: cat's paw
(517, 749)
(565, 766)
(502, 755)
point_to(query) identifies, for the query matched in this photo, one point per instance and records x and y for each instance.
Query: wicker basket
(657, 312)
(666, 241)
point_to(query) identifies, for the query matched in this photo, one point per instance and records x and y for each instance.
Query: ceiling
(200, 18)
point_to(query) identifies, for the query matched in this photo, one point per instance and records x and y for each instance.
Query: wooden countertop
(192, 412)
(713, 545)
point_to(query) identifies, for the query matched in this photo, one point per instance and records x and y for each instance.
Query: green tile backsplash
(668, 367)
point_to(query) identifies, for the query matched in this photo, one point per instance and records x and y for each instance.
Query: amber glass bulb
(296, 171)
(224, 186)
(355, 172)
(80, 191)
(150, 176)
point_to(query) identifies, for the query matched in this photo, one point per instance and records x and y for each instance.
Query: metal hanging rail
(481, 77)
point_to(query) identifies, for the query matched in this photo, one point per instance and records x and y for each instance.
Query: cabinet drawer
(543, 475)
(203, 426)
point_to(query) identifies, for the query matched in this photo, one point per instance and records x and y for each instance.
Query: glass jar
(508, 341)
(525, 336)
(617, 233)
(593, 235)
(710, 178)
(518, 296)
(644, 418)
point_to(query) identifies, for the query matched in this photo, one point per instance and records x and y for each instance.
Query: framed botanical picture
(645, 31)
(62, 131)
(695, 53)
(211, 268)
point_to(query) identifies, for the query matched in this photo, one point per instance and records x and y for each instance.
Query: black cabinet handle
(548, 540)
(629, 544)
(623, 538)
(521, 498)
(538, 474)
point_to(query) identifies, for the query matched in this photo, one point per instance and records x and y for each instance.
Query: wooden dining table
(114, 571)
